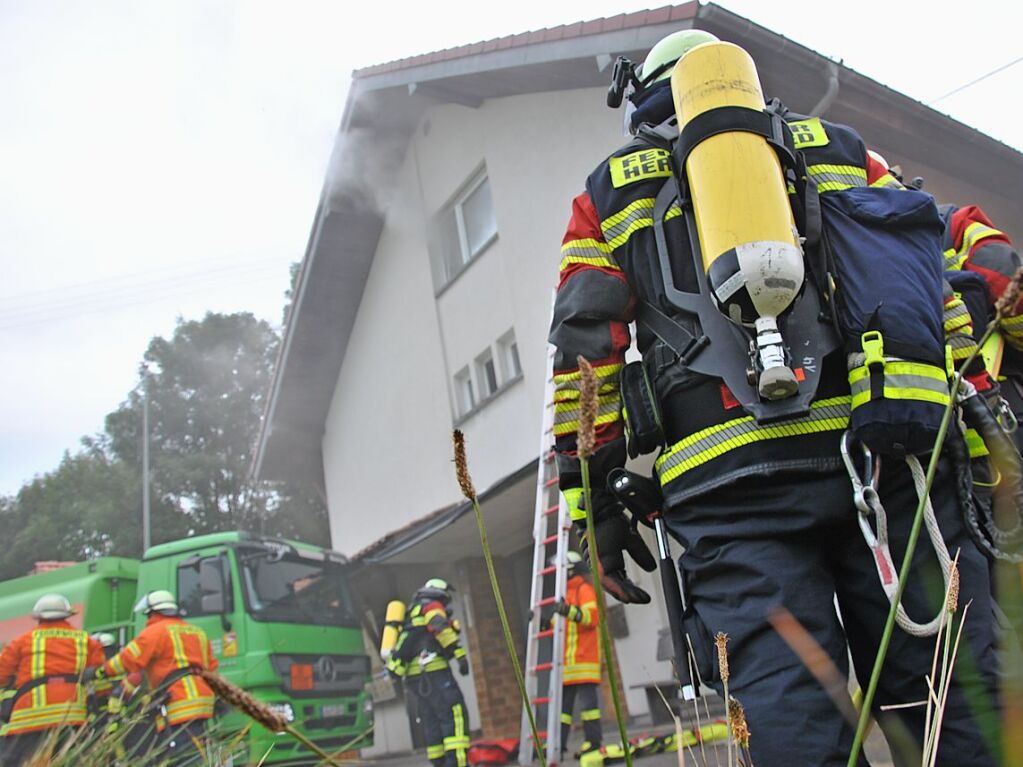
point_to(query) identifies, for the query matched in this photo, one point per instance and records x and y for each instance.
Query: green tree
(207, 387)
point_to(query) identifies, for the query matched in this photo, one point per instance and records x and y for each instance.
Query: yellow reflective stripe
(133, 649)
(962, 347)
(590, 714)
(888, 180)
(195, 708)
(71, 712)
(953, 260)
(566, 414)
(181, 659)
(447, 637)
(975, 232)
(976, 444)
(956, 315)
(603, 374)
(589, 611)
(707, 444)
(459, 742)
(587, 251)
(566, 718)
(903, 380)
(435, 752)
(581, 671)
(834, 178)
(38, 667)
(571, 642)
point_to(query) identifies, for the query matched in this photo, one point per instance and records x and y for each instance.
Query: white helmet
(159, 601)
(52, 607)
(662, 57)
(105, 638)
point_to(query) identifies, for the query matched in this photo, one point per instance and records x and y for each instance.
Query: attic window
(463, 230)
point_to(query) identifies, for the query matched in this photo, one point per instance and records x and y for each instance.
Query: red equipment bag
(490, 753)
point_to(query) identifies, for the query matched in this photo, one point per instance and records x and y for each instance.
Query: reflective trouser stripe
(902, 381)
(705, 445)
(459, 742)
(435, 751)
(566, 718)
(590, 714)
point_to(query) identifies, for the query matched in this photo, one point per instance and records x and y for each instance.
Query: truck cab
(283, 625)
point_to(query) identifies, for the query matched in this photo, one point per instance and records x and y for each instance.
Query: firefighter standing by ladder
(581, 670)
(425, 645)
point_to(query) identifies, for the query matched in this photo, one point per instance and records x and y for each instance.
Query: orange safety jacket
(582, 650)
(167, 644)
(52, 649)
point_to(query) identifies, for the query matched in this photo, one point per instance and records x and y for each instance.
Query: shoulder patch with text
(639, 166)
(807, 133)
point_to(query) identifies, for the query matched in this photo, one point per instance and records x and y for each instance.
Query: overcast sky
(162, 159)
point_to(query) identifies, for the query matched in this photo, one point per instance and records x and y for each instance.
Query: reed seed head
(737, 721)
(721, 640)
(1006, 304)
(953, 588)
(462, 466)
(238, 698)
(587, 435)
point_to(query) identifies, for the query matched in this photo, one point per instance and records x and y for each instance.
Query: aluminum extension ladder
(544, 644)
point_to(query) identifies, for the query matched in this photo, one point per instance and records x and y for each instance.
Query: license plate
(333, 709)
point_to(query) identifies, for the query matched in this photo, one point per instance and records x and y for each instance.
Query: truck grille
(318, 676)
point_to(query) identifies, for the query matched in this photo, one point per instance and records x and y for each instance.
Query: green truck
(279, 613)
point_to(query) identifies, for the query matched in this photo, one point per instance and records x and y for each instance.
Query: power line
(974, 82)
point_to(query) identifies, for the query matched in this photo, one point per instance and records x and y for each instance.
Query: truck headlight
(283, 709)
(367, 706)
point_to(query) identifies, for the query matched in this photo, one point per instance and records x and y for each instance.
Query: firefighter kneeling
(428, 640)
(170, 652)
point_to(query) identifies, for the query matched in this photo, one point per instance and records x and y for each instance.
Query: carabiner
(860, 489)
(1005, 417)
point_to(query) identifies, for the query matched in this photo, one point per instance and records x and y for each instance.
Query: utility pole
(146, 537)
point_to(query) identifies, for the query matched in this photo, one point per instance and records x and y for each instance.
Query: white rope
(882, 554)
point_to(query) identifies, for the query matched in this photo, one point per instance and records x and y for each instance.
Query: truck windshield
(296, 590)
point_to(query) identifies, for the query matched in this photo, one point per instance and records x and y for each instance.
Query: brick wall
(496, 689)
(498, 694)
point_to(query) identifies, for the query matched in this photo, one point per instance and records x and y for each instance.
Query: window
(203, 587)
(464, 392)
(508, 352)
(462, 230)
(486, 374)
(491, 372)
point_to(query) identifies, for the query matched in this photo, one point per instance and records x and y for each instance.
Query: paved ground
(877, 753)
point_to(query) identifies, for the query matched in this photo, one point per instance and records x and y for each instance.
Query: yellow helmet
(662, 57)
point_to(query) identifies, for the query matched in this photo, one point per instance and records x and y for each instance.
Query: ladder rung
(551, 482)
(546, 601)
(549, 456)
(541, 701)
(541, 733)
(547, 571)
(550, 510)
(544, 666)
(550, 539)
(545, 633)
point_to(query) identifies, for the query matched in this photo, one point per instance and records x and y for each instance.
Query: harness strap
(8, 704)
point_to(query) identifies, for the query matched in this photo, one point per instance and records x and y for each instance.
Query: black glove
(614, 536)
(93, 674)
(463, 666)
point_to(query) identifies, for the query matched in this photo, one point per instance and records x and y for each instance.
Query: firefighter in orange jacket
(170, 652)
(45, 667)
(581, 671)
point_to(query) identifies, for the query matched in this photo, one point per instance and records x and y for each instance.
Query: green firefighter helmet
(52, 607)
(662, 57)
(159, 601)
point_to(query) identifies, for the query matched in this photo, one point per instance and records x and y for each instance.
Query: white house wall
(386, 445)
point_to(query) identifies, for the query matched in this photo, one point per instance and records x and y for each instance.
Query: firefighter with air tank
(782, 364)
(418, 645)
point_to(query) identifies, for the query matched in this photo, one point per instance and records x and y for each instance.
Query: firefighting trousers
(184, 744)
(441, 710)
(792, 541)
(16, 750)
(589, 705)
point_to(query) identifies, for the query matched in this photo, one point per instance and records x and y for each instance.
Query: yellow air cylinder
(393, 620)
(747, 234)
